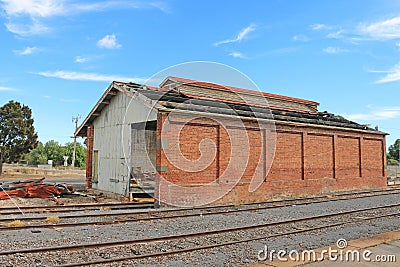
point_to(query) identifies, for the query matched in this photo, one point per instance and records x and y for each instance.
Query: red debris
(12, 193)
(34, 189)
(43, 191)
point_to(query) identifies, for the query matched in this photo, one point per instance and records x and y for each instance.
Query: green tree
(38, 155)
(80, 156)
(17, 133)
(394, 151)
(55, 151)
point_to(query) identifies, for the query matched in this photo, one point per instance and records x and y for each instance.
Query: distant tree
(55, 152)
(38, 155)
(17, 133)
(394, 151)
(392, 162)
(80, 156)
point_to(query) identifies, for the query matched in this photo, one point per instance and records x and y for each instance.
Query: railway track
(73, 208)
(118, 206)
(306, 225)
(154, 215)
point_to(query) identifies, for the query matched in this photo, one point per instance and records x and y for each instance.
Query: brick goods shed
(194, 143)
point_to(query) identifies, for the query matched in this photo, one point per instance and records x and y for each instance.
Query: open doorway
(143, 159)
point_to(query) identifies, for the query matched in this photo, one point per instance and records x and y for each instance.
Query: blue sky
(59, 56)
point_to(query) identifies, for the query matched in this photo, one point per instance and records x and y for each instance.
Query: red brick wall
(189, 145)
(89, 156)
(288, 161)
(318, 156)
(307, 160)
(372, 158)
(348, 157)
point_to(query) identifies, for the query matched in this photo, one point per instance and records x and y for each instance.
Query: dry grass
(105, 209)
(10, 170)
(52, 219)
(15, 223)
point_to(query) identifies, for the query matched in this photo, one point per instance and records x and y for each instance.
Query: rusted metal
(34, 189)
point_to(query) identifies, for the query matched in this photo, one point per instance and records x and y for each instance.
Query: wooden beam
(106, 102)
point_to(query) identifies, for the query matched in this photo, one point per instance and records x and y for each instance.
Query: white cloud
(33, 8)
(393, 74)
(376, 114)
(301, 38)
(320, 26)
(336, 35)
(27, 51)
(84, 76)
(27, 29)
(237, 55)
(164, 7)
(80, 59)
(334, 50)
(51, 8)
(7, 89)
(108, 42)
(25, 16)
(381, 30)
(242, 34)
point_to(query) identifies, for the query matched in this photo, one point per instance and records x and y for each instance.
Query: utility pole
(75, 120)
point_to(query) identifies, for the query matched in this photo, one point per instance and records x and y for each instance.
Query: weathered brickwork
(288, 161)
(348, 157)
(89, 156)
(307, 160)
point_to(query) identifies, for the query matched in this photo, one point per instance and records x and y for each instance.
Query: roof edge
(242, 90)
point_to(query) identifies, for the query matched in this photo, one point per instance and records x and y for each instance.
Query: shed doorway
(143, 160)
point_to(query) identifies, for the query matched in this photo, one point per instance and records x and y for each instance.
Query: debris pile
(34, 189)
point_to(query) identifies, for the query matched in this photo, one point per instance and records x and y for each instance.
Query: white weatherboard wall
(112, 138)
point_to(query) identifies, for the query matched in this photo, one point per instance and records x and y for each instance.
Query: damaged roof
(189, 95)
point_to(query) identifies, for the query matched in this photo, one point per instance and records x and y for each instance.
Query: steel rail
(116, 207)
(82, 205)
(116, 204)
(189, 235)
(229, 243)
(149, 213)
